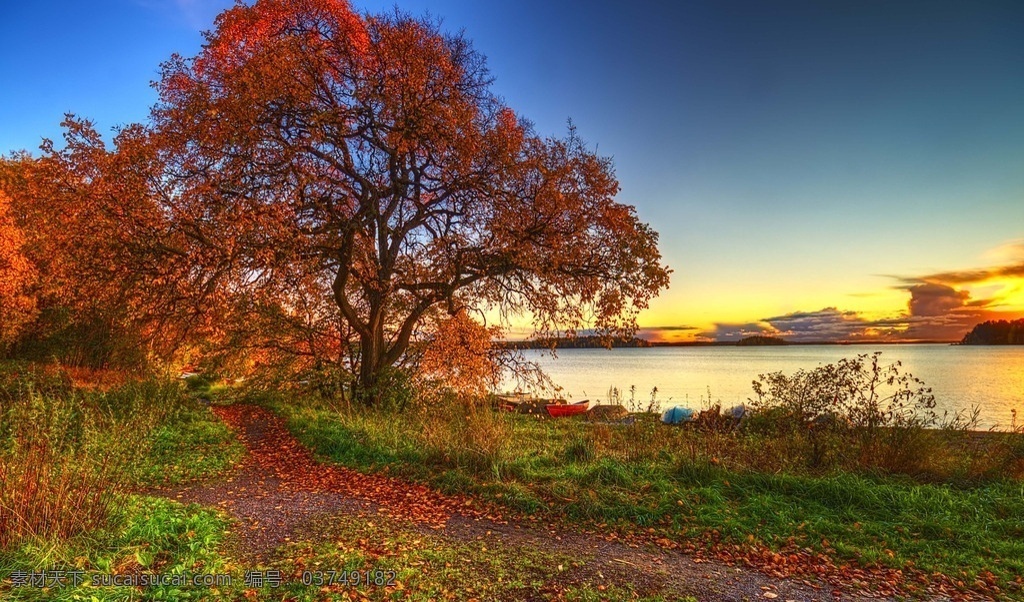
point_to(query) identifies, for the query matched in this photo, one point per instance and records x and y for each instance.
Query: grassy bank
(70, 462)
(74, 460)
(715, 487)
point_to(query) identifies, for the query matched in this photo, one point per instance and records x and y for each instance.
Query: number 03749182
(370, 577)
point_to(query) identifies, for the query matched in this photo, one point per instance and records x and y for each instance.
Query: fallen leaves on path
(279, 454)
(800, 563)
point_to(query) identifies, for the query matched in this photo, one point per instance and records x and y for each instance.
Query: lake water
(991, 378)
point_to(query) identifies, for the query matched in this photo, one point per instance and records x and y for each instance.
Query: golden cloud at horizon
(940, 306)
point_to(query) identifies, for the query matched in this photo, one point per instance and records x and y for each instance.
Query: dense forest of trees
(996, 332)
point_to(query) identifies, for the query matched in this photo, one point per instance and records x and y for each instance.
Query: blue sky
(812, 167)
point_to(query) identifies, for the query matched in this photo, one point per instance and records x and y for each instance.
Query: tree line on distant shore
(583, 342)
(996, 332)
(593, 342)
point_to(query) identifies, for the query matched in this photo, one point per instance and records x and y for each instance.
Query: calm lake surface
(991, 378)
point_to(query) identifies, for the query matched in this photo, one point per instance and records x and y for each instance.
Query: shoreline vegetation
(927, 502)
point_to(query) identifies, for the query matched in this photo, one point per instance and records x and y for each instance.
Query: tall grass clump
(68, 456)
(435, 430)
(55, 480)
(462, 433)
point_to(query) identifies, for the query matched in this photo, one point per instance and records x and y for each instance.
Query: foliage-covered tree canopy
(320, 185)
(16, 277)
(102, 252)
(359, 173)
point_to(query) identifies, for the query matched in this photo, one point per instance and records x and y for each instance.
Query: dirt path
(280, 488)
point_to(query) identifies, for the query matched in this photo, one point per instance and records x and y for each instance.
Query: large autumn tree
(366, 158)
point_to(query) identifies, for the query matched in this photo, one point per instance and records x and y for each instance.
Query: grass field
(72, 461)
(685, 485)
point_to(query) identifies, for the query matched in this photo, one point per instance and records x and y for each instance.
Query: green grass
(191, 445)
(645, 476)
(148, 534)
(69, 460)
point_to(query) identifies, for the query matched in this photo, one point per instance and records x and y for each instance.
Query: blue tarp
(677, 415)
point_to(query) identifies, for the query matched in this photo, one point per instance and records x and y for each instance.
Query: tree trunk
(371, 363)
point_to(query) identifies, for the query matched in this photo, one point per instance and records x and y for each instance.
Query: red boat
(558, 410)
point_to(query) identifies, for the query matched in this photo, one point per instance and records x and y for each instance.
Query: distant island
(996, 332)
(585, 342)
(758, 340)
(595, 342)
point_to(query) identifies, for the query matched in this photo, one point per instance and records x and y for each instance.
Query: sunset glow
(937, 306)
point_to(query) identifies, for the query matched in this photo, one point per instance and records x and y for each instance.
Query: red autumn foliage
(461, 356)
(111, 283)
(365, 162)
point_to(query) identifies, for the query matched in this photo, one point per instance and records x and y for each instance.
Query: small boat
(513, 402)
(558, 410)
(677, 415)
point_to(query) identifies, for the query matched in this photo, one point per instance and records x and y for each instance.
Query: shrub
(20, 379)
(859, 407)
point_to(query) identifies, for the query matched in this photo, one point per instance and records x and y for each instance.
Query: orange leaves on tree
(460, 355)
(102, 252)
(17, 305)
(244, 33)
